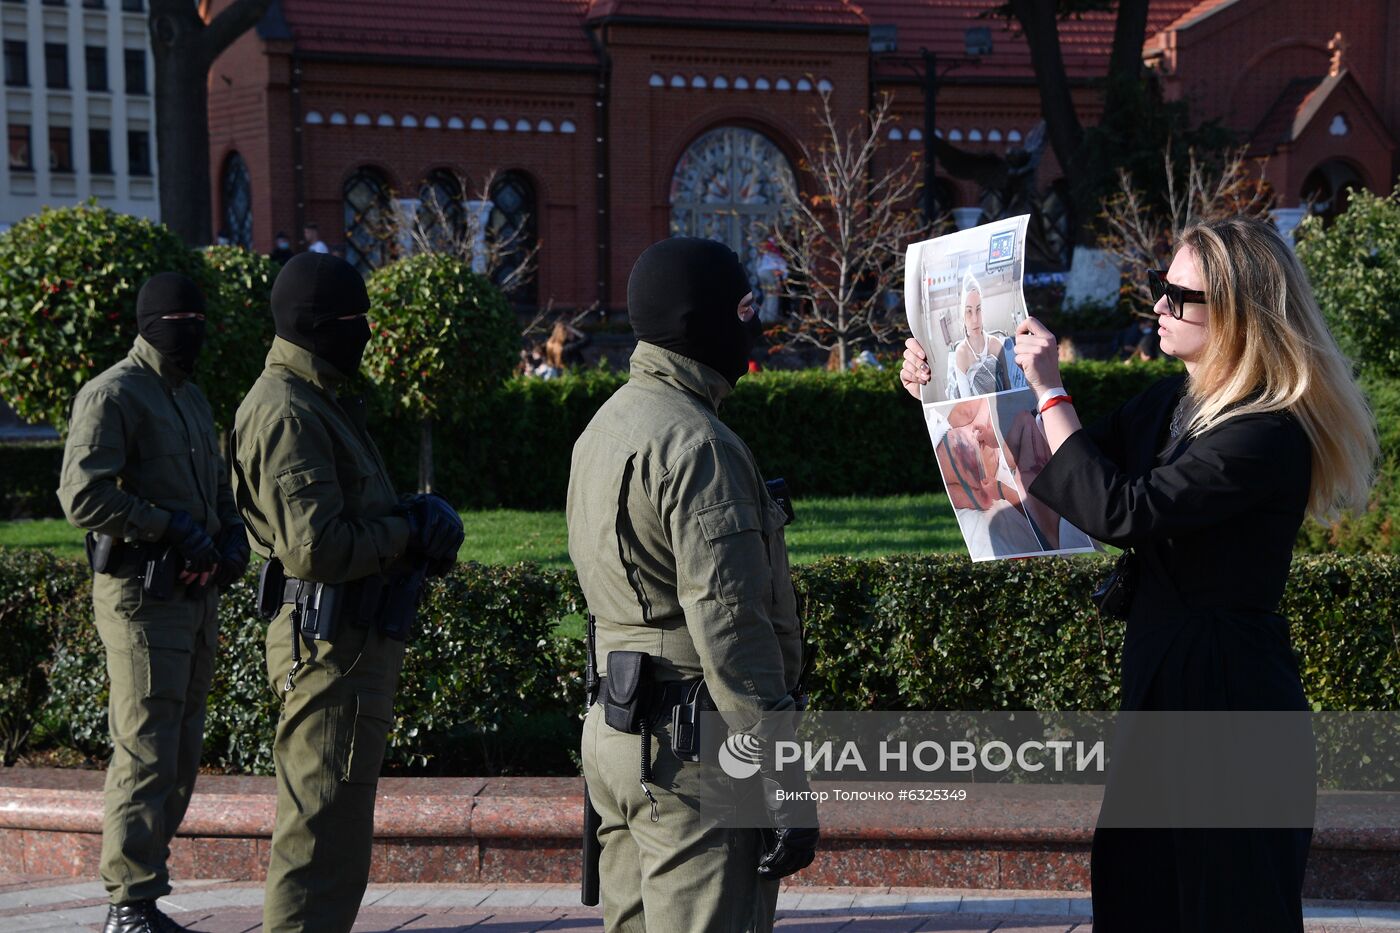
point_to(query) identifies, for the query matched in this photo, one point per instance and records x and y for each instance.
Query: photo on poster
(989, 450)
(963, 299)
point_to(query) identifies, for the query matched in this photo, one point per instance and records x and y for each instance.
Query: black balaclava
(311, 293)
(179, 340)
(684, 295)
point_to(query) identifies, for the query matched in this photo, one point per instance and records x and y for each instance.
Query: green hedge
(31, 480)
(829, 434)
(494, 681)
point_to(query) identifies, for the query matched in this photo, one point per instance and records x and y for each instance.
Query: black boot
(139, 917)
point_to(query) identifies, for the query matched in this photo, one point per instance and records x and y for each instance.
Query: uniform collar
(653, 362)
(143, 354)
(302, 362)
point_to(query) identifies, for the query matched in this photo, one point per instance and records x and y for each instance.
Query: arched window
(511, 229)
(728, 186)
(442, 216)
(237, 220)
(1327, 189)
(367, 212)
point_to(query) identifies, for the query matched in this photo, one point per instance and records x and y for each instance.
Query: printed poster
(963, 298)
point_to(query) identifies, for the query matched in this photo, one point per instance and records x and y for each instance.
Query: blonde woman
(1207, 478)
(978, 364)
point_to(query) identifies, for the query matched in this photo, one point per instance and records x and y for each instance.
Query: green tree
(1354, 266)
(68, 285)
(238, 290)
(444, 336)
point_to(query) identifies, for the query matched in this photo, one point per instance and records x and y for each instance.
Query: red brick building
(607, 124)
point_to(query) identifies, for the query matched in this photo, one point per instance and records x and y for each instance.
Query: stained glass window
(238, 201)
(367, 212)
(442, 211)
(728, 186)
(512, 228)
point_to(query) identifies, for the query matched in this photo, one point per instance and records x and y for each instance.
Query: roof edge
(623, 19)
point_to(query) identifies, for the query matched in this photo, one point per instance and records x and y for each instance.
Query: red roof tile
(939, 26)
(804, 12)
(537, 31)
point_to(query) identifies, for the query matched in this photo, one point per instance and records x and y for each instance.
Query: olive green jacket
(678, 546)
(141, 444)
(309, 481)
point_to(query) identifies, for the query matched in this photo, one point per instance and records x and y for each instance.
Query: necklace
(1180, 416)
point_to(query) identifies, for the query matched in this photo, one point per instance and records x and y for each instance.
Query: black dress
(1212, 522)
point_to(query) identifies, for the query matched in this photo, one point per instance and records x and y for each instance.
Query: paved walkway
(54, 904)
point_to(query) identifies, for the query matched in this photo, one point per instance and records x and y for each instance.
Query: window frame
(22, 59)
(129, 57)
(93, 166)
(89, 51)
(50, 48)
(146, 170)
(28, 165)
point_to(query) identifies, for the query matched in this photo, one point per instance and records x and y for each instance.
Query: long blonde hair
(1269, 349)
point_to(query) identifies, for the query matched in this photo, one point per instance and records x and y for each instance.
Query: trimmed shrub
(237, 285)
(36, 594)
(1354, 267)
(494, 678)
(444, 338)
(31, 474)
(68, 284)
(1377, 530)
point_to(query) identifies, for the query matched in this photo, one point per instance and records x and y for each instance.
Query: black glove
(434, 531)
(233, 555)
(194, 544)
(787, 851)
(791, 844)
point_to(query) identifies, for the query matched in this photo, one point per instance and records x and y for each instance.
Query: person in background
(281, 249)
(772, 273)
(311, 233)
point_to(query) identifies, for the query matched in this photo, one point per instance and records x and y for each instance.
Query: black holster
(161, 572)
(115, 557)
(626, 698)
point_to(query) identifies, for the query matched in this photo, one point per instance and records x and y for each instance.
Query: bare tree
(185, 40)
(1140, 233)
(460, 224)
(844, 240)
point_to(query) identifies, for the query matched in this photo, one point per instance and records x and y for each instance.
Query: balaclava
(312, 292)
(178, 340)
(683, 295)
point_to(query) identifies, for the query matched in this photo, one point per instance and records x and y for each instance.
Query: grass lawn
(853, 527)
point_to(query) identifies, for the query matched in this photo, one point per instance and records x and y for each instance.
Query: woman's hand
(914, 372)
(1037, 354)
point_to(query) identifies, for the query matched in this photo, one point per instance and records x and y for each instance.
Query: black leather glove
(791, 844)
(233, 555)
(434, 531)
(194, 544)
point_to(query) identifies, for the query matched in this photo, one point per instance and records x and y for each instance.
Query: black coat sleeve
(1227, 471)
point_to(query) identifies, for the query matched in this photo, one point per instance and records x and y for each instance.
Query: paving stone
(32, 895)
(1043, 906)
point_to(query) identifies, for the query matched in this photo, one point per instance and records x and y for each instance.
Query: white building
(79, 107)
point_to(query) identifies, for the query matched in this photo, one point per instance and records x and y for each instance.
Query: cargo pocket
(784, 596)
(167, 655)
(374, 716)
(734, 533)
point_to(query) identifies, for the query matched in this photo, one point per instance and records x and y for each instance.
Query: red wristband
(1051, 403)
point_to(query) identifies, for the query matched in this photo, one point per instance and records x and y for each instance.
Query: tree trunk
(1039, 21)
(425, 455)
(182, 127)
(184, 48)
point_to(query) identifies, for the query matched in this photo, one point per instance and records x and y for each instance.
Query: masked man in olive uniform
(318, 501)
(143, 476)
(680, 551)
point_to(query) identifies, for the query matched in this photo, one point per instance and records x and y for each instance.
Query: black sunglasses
(1177, 297)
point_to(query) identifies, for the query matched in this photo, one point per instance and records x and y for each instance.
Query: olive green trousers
(160, 661)
(682, 872)
(328, 751)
